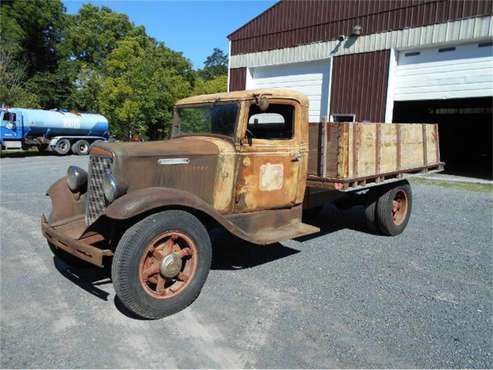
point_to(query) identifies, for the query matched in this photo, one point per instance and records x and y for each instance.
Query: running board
(286, 232)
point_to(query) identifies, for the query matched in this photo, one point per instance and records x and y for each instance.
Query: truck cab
(235, 160)
(262, 148)
(11, 130)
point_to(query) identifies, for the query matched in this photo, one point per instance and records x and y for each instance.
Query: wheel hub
(168, 264)
(399, 207)
(171, 265)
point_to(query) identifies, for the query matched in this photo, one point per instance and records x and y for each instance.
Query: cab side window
(9, 116)
(274, 123)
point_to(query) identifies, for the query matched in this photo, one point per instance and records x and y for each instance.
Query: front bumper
(59, 237)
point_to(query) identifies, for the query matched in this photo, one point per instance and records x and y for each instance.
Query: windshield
(219, 119)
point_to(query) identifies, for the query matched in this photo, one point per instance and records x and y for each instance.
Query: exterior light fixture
(356, 31)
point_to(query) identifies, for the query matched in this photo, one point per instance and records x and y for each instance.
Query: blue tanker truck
(54, 130)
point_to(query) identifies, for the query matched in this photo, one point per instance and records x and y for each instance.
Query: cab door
(272, 157)
(11, 125)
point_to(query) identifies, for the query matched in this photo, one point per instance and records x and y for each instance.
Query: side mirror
(262, 103)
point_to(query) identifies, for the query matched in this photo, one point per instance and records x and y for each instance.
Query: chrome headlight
(76, 179)
(113, 189)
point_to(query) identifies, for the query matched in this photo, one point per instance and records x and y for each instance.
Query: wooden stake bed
(346, 156)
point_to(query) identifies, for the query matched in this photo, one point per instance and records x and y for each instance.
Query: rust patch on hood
(189, 145)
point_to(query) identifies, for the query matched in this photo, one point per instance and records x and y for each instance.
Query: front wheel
(394, 209)
(161, 263)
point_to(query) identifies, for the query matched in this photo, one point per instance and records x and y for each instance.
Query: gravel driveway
(343, 298)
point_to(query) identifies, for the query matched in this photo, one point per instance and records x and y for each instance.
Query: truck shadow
(232, 253)
(88, 278)
(331, 219)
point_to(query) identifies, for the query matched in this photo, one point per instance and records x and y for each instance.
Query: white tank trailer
(54, 130)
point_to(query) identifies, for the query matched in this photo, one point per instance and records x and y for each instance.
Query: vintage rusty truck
(246, 161)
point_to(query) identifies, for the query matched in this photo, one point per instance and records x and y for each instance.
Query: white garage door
(312, 79)
(460, 71)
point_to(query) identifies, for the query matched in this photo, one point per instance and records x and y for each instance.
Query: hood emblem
(165, 161)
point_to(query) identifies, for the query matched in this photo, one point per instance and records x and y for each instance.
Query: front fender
(65, 205)
(143, 200)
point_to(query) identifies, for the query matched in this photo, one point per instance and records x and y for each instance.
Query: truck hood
(206, 168)
(183, 146)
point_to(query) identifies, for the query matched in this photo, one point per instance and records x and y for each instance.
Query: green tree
(33, 29)
(31, 32)
(143, 81)
(93, 33)
(96, 60)
(13, 91)
(215, 85)
(215, 65)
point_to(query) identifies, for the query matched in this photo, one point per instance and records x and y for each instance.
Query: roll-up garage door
(312, 79)
(448, 72)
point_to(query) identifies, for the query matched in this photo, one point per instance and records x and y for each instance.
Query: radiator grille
(95, 203)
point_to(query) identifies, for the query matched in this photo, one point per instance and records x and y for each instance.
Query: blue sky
(192, 27)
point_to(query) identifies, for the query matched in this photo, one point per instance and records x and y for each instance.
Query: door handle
(296, 157)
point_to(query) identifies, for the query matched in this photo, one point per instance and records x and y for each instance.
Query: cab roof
(245, 95)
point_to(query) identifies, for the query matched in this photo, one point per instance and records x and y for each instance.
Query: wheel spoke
(170, 243)
(151, 270)
(158, 253)
(160, 285)
(183, 277)
(185, 252)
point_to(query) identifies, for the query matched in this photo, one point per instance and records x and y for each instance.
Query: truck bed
(346, 156)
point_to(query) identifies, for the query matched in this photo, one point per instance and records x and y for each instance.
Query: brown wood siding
(292, 23)
(237, 79)
(359, 85)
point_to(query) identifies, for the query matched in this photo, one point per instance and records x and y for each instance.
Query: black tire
(67, 257)
(132, 249)
(80, 147)
(371, 213)
(388, 223)
(62, 146)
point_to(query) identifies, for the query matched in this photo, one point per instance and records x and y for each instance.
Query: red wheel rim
(168, 264)
(399, 207)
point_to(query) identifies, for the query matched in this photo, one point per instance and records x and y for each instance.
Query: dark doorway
(465, 128)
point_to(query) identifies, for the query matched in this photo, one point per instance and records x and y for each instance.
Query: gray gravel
(344, 298)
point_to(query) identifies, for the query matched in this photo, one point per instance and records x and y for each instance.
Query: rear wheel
(80, 147)
(161, 264)
(394, 209)
(62, 146)
(371, 213)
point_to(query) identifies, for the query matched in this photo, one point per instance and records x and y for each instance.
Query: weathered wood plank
(354, 152)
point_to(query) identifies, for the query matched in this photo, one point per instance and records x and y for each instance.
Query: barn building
(381, 61)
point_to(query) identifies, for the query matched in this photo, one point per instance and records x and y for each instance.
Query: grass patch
(484, 188)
